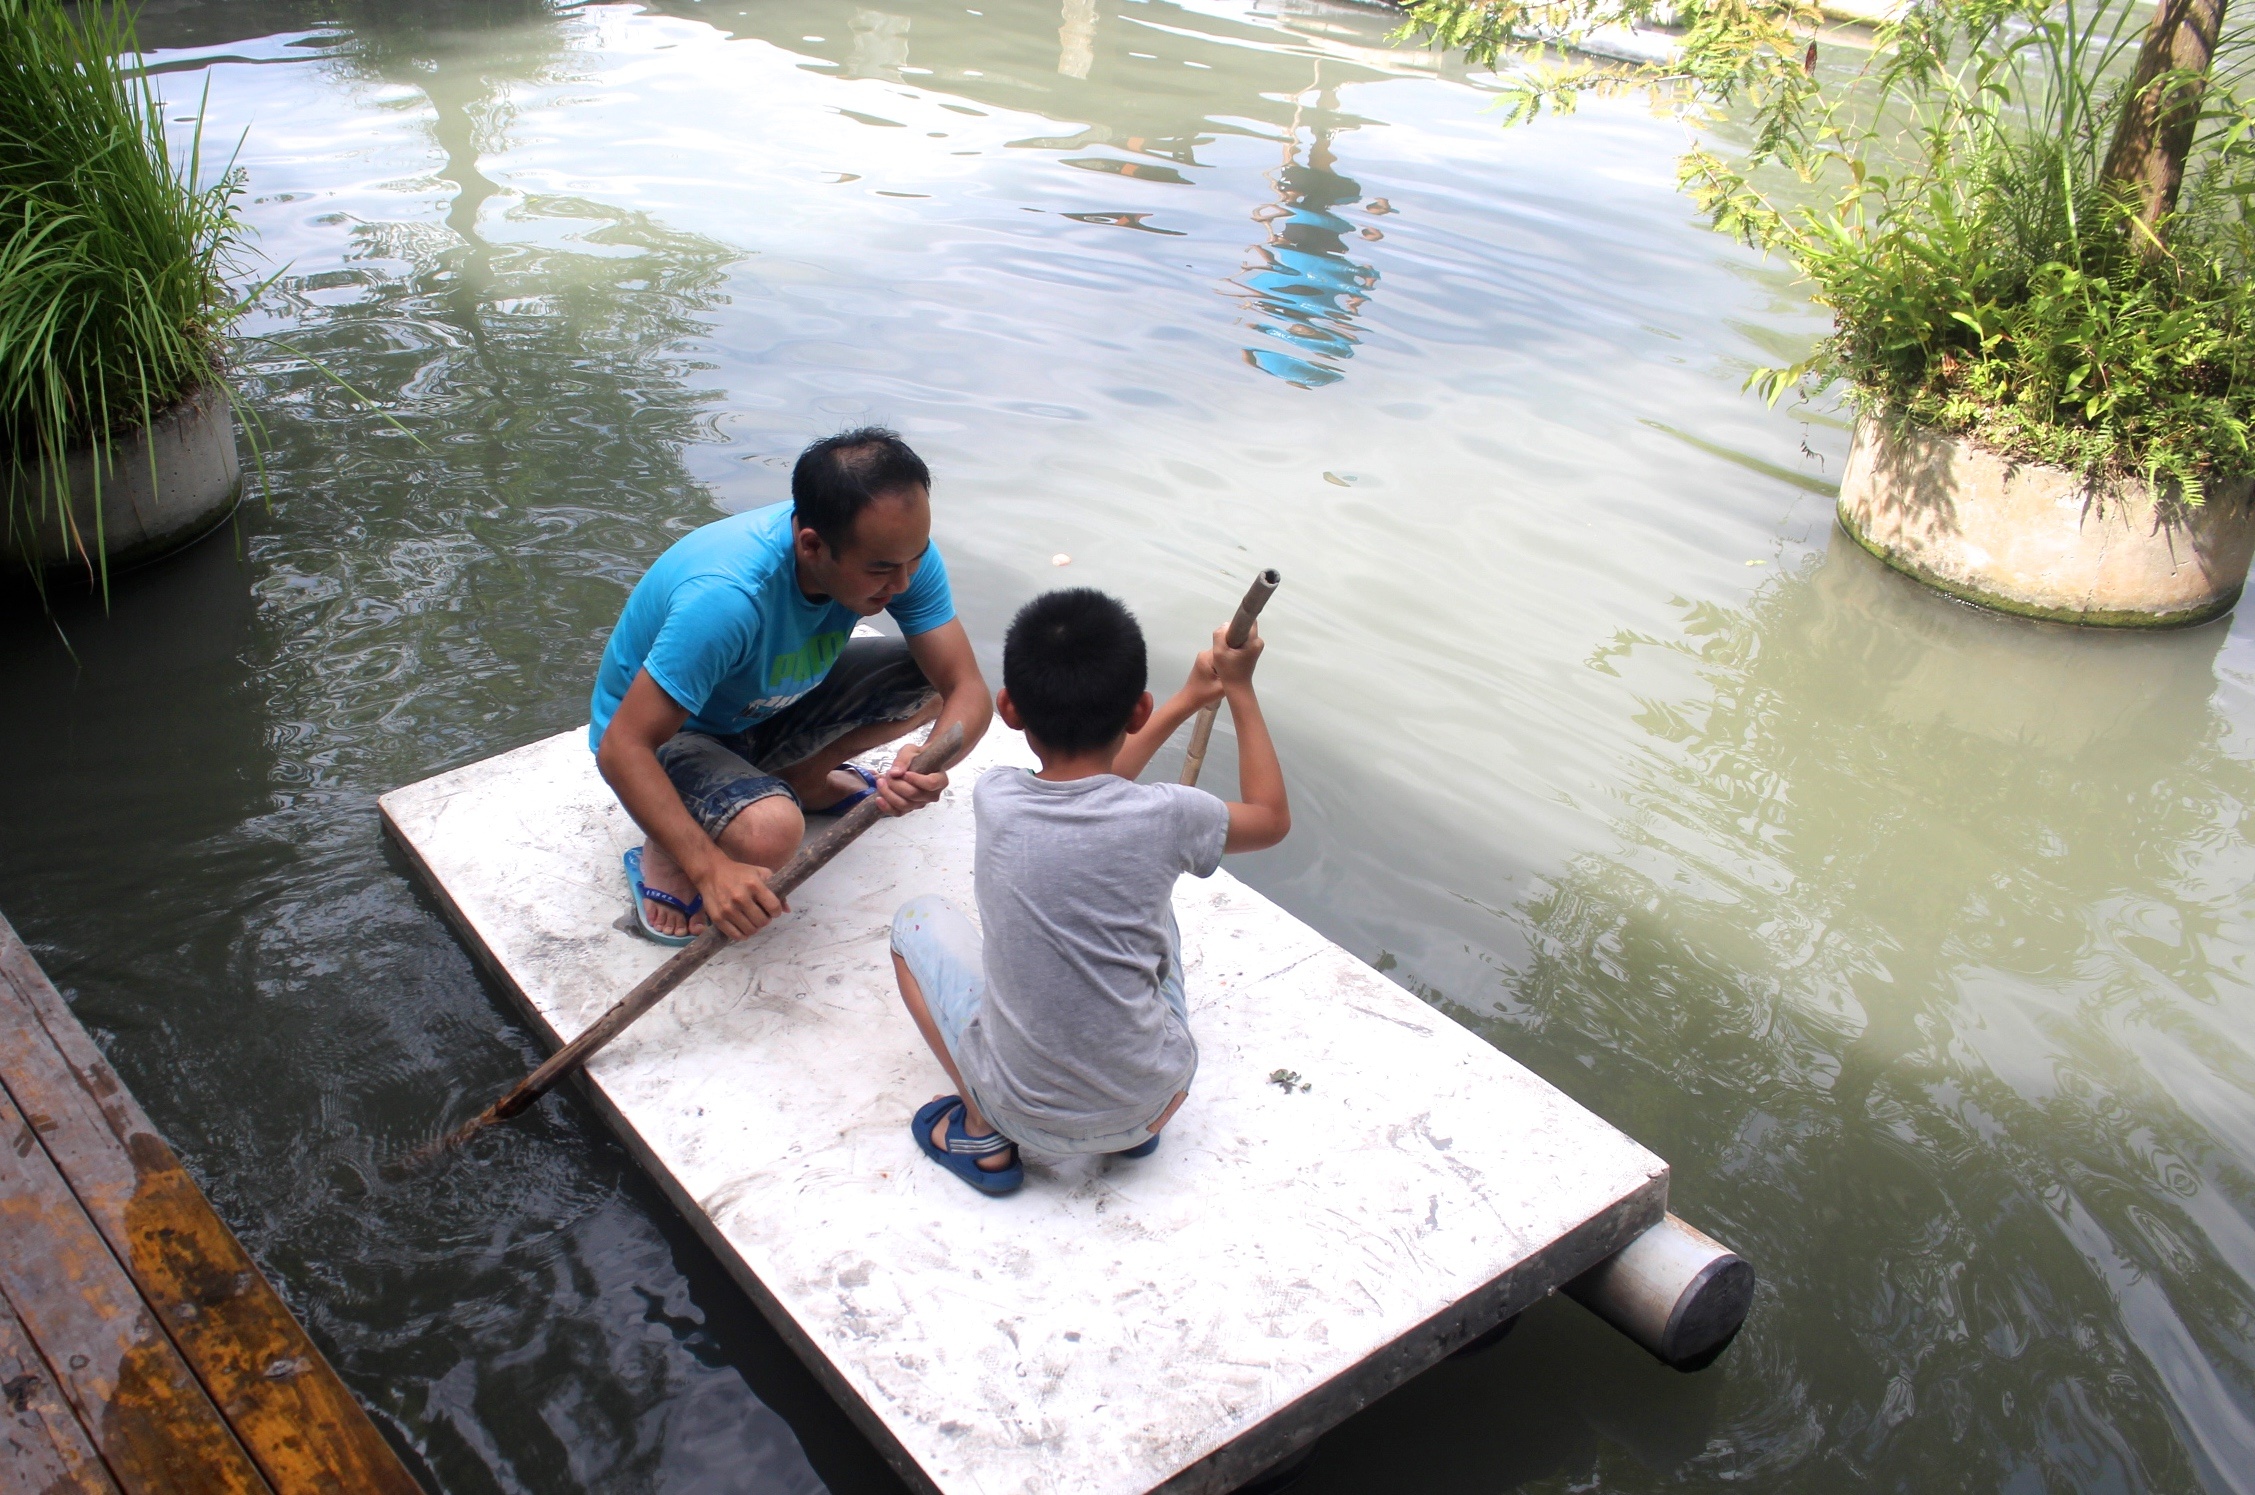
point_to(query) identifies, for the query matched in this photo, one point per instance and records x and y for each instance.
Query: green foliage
(1987, 301)
(112, 259)
(1944, 194)
(1748, 55)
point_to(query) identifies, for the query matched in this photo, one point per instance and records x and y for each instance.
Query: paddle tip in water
(446, 1146)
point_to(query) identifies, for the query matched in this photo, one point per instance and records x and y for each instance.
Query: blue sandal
(851, 800)
(1141, 1149)
(964, 1150)
(687, 910)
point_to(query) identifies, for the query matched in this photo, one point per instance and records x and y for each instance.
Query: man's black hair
(1074, 664)
(836, 478)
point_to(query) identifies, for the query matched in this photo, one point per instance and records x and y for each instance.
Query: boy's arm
(1203, 687)
(1264, 817)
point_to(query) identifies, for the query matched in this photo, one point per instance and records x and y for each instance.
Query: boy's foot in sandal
(988, 1162)
(865, 784)
(666, 903)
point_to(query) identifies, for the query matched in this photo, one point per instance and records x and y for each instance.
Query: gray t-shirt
(1076, 883)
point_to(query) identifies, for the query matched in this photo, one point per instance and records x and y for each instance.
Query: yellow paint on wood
(283, 1401)
(131, 1391)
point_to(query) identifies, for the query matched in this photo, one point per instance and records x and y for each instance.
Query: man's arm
(737, 897)
(944, 655)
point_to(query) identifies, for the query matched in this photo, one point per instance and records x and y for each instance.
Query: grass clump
(2029, 219)
(113, 261)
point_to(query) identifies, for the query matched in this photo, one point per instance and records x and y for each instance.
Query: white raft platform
(1180, 1323)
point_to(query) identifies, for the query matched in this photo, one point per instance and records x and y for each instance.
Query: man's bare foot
(993, 1162)
(823, 792)
(663, 874)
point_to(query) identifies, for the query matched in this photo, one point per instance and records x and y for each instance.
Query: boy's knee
(915, 916)
(931, 930)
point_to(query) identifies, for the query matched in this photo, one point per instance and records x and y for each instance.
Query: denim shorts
(942, 951)
(874, 680)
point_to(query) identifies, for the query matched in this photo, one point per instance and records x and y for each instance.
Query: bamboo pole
(1240, 629)
(809, 859)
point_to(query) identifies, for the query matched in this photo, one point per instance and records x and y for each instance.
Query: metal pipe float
(1677, 1291)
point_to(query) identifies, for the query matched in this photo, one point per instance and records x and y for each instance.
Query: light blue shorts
(941, 950)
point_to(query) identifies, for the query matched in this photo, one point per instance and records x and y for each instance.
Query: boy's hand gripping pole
(1240, 629)
(809, 859)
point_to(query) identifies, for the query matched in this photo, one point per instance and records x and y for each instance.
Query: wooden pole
(1240, 629)
(809, 859)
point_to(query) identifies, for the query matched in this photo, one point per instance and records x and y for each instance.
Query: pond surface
(1917, 940)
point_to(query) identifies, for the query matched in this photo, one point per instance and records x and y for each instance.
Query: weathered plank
(130, 1389)
(284, 1402)
(43, 1450)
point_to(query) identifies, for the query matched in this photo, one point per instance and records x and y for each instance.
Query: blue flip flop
(964, 1150)
(694, 906)
(851, 800)
(1141, 1149)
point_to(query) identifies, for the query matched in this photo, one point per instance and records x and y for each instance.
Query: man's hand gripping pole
(809, 859)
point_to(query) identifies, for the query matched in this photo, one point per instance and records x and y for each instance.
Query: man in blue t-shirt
(732, 692)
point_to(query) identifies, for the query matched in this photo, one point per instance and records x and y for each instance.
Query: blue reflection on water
(1305, 289)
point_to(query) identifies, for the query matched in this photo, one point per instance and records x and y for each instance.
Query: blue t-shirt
(722, 627)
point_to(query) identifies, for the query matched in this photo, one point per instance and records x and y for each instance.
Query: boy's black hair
(836, 478)
(1074, 664)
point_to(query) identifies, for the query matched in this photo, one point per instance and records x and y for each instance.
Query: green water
(1916, 940)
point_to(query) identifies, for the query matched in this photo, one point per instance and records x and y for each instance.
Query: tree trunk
(2147, 159)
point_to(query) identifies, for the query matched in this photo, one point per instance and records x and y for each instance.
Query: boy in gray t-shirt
(1065, 1027)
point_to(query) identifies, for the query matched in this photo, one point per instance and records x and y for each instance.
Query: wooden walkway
(140, 1348)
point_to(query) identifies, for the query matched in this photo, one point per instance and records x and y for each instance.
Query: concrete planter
(2037, 541)
(198, 480)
